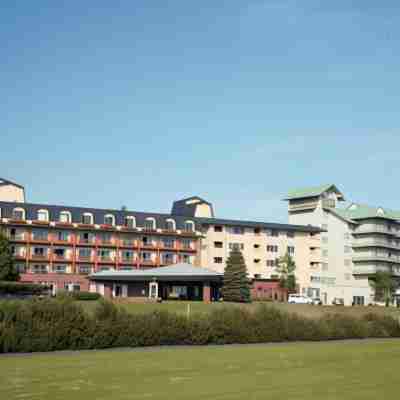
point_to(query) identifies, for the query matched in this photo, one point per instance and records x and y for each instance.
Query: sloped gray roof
(4, 182)
(181, 271)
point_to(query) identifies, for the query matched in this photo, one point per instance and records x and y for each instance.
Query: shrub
(86, 296)
(62, 323)
(21, 288)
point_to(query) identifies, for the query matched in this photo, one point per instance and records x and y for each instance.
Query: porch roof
(178, 272)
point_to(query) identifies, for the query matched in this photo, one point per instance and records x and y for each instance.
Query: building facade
(61, 246)
(356, 242)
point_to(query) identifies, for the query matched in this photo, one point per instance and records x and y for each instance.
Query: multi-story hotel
(61, 246)
(356, 242)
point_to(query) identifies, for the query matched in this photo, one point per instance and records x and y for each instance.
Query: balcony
(372, 269)
(168, 246)
(39, 257)
(364, 229)
(39, 239)
(372, 242)
(148, 263)
(376, 258)
(85, 241)
(17, 238)
(105, 259)
(85, 259)
(59, 257)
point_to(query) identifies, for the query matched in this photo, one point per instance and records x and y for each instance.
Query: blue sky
(143, 102)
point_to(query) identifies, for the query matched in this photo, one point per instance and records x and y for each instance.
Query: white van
(299, 299)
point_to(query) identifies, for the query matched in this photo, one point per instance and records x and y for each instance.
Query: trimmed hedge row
(85, 296)
(51, 324)
(21, 288)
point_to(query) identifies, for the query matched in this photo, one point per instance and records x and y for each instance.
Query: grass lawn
(303, 309)
(334, 370)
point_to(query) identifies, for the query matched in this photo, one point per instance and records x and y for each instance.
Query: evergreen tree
(8, 272)
(286, 268)
(236, 285)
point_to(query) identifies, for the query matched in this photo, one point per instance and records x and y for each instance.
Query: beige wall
(301, 243)
(12, 193)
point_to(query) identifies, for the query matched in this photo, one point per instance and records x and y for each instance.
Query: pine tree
(236, 285)
(8, 272)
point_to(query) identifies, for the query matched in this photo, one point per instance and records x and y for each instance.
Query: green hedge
(85, 296)
(53, 324)
(7, 287)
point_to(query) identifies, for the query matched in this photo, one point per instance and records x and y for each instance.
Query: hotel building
(62, 245)
(356, 242)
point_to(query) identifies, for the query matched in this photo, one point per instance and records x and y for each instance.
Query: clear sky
(139, 103)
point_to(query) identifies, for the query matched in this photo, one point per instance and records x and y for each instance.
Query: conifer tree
(8, 272)
(236, 285)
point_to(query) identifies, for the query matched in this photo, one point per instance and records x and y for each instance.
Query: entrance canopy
(176, 273)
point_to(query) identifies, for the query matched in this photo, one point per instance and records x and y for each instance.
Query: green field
(200, 307)
(334, 370)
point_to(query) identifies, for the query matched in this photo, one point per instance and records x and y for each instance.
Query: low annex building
(179, 282)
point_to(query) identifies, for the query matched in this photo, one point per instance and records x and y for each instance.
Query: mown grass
(306, 310)
(334, 370)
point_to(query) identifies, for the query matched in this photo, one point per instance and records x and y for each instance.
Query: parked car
(337, 301)
(299, 299)
(317, 301)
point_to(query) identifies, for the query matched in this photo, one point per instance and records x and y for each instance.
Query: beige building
(356, 242)
(10, 191)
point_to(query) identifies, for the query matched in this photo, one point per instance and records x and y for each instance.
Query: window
(272, 248)
(347, 263)
(217, 228)
(84, 253)
(218, 260)
(347, 249)
(236, 246)
(39, 269)
(85, 237)
(272, 263)
(290, 250)
(39, 251)
(324, 253)
(346, 236)
(62, 236)
(325, 266)
(127, 241)
(358, 300)
(150, 224)
(238, 230)
(59, 253)
(274, 233)
(104, 254)
(168, 243)
(347, 277)
(130, 222)
(186, 243)
(21, 268)
(290, 234)
(84, 269)
(87, 218)
(60, 269)
(105, 238)
(109, 219)
(186, 258)
(170, 225)
(218, 245)
(189, 226)
(65, 216)
(13, 250)
(146, 256)
(43, 215)
(325, 239)
(324, 227)
(40, 234)
(167, 258)
(18, 214)
(127, 255)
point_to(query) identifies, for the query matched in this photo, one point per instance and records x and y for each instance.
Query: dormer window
(189, 226)
(18, 214)
(65, 216)
(170, 225)
(109, 219)
(87, 219)
(150, 224)
(130, 222)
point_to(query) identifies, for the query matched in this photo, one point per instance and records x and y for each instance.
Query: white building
(356, 242)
